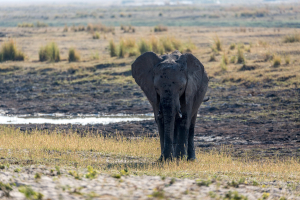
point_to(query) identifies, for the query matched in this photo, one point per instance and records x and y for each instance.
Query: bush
(41, 24)
(232, 46)
(217, 43)
(287, 59)
(276, 60)
(66, 28)
(73, 55)
(96, 35)
(26, 25)
(100, 28)
(156, 46)
(49, 53)
(160, 28)
(9, 51)
(240, 56)
(212, 57)
(292, 38)
(122, 50)
(225, 59)
(144, 46)
(232, 59)
(112, 49)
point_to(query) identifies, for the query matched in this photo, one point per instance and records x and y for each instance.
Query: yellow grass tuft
(50, 52)
(74, 55)
(9, 51)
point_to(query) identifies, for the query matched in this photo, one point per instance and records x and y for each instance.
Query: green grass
(96, 35)
(112, 48)
(50, 52)
(74, 55)
(144, 46)
(9, 51)
(292, 38)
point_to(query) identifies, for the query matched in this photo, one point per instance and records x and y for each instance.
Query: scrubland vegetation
(9, 51)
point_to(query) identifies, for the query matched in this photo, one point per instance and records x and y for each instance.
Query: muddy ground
(258, 119)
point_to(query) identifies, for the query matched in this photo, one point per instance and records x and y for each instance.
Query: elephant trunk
(169, 112)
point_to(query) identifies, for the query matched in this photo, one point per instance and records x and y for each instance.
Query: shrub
(232, 46)
(41, 24)
(121, 49)
(30, 193)
(232, 59)
(268, 56)
(212, 57)
(100, 28)
(66, 28)
(112, 49)
(276, 60)
(160, 28)
(73, 55)
(292, 38)
(217, 43)
(50, 52)
(96, 35)
(26, 25)
(9, 51)
(287, 59)
(225, 59)
(167, 44)
(156, 45)
(240, 56)
(144, 46)
(133, 52)
(223, 65)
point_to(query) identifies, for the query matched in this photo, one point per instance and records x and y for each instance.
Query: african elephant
(175, 85)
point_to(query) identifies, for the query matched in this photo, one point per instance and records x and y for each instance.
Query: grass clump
(160, 28)
(203, 183)
(9, 51)
(292, 38)
(41, 24)
(57, 168)
(121, 53)
(96, 36)
(112, 48)
(74, 55)
(287, 59)
(66, 29)
(234, 196)
(232, 59)
(91, 172)
(30, 193)
(232, 46)
(276, 60)
(217, 43)
(50, 52)
(156, 45)
(6, 189)
(144, 46)
(76, 175)
(240, 56)
(25, 25)
(37, 176)
(212, 57)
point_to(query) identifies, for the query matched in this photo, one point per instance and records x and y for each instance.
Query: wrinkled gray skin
(175, 85)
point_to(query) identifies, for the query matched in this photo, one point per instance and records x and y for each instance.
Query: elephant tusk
(180, 114)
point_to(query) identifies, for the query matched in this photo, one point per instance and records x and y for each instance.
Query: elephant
(175, 85)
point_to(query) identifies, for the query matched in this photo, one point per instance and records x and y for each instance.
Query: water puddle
(71, 119)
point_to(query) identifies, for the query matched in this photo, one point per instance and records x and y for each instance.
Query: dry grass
(276, 60)
(72, 149)
(74, 55)
(292, 38)
(50, 52)
(9, 51)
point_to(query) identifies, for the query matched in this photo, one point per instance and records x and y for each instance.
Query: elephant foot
(192, 159)
(160, 159)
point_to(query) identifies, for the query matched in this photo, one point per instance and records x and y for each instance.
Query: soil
(260, 119)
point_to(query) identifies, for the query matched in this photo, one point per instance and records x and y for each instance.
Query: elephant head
(170, 83)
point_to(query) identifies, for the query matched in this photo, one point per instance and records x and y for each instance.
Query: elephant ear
(142, 72)
(196, 75)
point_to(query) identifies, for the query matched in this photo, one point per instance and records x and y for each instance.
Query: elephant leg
(160, 125)
(176, 133)
(191, 147)
(182, 138)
